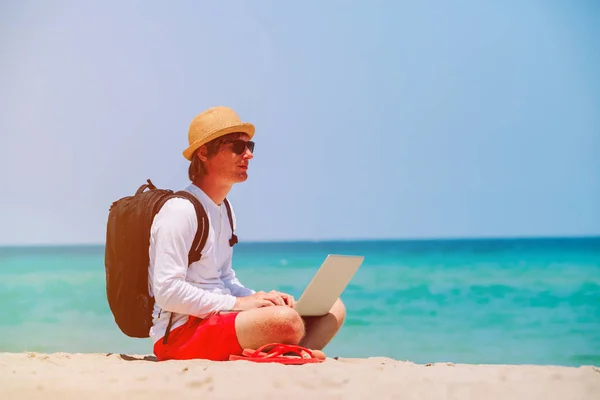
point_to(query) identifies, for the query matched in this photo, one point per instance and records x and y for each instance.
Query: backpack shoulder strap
(199, 239)
(202, 232)
(234, 238)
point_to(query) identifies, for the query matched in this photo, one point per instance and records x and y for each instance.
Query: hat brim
(245, 127)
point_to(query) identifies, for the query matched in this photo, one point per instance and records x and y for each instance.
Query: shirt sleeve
(171, 237)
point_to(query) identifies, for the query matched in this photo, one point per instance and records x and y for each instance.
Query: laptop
(327, 285)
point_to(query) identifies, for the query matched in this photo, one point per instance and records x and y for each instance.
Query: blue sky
(374, 119)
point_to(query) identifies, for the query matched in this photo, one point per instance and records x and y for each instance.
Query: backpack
(127, 258)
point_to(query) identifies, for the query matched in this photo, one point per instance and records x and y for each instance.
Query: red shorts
(212, 338)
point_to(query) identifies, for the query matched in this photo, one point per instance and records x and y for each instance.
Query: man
(214, 314)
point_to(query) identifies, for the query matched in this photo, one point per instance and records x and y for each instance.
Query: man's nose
(248, 154)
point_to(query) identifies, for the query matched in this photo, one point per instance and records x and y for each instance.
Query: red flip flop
(276, 355)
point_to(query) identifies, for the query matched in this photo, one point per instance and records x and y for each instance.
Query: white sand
(101, 376)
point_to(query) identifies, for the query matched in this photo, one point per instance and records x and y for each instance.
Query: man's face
(230, 163)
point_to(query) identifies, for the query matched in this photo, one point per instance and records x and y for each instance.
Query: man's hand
(288, 299)
(262, 299)
(258, 300)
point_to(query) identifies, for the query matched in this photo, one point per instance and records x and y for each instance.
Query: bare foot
(319, 354)
(316, 353)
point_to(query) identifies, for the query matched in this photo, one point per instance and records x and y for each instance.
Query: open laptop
(327, 285)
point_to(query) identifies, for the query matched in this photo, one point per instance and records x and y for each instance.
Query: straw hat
(213, 123)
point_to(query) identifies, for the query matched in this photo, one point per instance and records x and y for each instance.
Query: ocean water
(527, 301)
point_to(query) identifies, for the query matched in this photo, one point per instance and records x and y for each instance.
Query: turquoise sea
(525, 301)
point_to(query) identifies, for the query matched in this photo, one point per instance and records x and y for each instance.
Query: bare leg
(276, 324)
(320, 330)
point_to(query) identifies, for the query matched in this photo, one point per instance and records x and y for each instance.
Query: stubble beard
(238, 177)
(242, 177)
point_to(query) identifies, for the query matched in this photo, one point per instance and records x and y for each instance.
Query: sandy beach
(120, 376)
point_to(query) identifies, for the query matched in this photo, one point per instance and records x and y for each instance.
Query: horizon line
(348, 240)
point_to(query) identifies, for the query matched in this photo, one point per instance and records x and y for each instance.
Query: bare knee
(275, 324)
(285, 324)
(339, 311)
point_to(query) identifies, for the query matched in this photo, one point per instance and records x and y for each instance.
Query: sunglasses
(239, 146)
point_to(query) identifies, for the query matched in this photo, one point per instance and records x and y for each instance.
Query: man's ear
(202, 153)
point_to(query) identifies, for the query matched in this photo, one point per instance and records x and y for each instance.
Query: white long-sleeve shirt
(206, 286)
